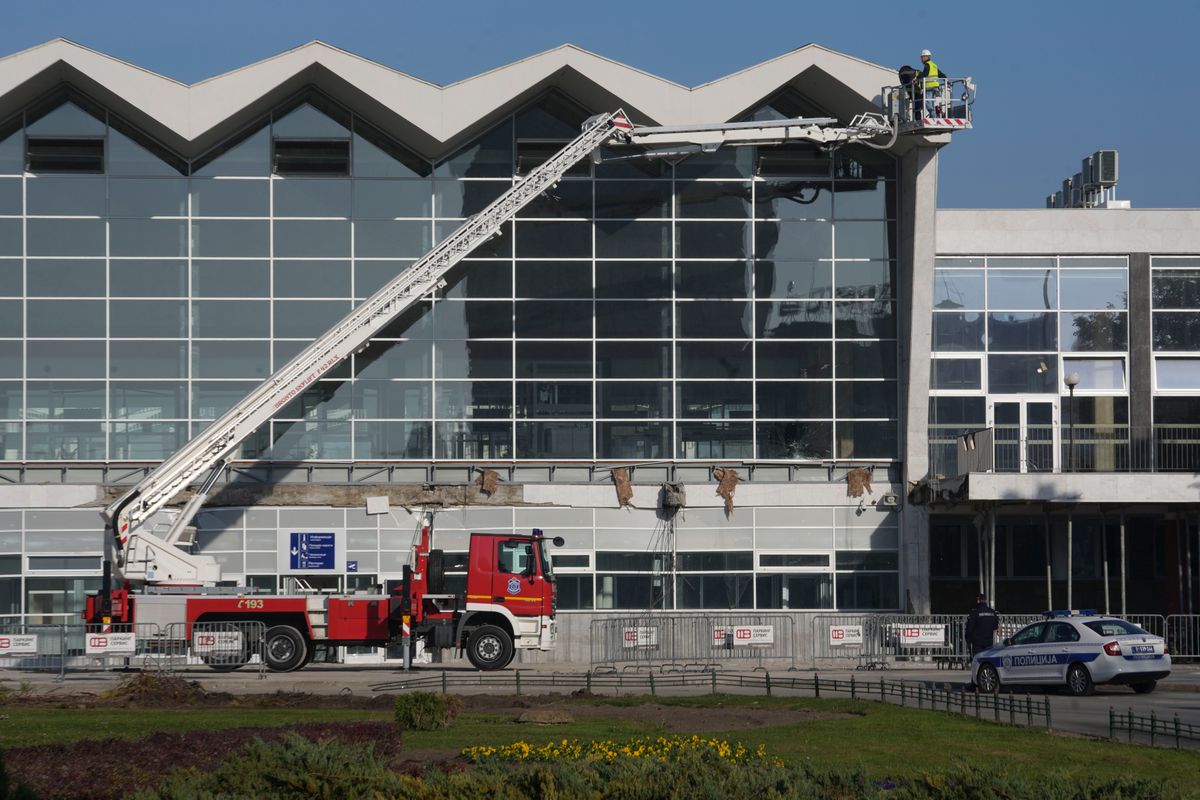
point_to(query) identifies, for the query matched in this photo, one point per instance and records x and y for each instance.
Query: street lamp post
(1072, 380)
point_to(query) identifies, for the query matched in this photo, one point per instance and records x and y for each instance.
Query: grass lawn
(21, 727)
(881, 739)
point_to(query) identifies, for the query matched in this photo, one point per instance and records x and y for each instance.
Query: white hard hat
(926, 53)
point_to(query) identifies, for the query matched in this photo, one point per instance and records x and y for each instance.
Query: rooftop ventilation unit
(1104, 166)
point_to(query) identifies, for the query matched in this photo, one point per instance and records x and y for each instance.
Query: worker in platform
(930, 78)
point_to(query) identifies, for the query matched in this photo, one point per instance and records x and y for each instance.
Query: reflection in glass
(716, 400)
(958, 288)
(1096, 331)
(797, 319)
(1021, 288)
(710, 319)
(618, 319)
(546, 399)
(1032, 374)
(712, 279)
(1022, 332)
(794, 359)
(554, 360)
(728, 360)
(569, 440)
(1177, 373)
(793, 279)
(957, 374)
(1175, 288)
(1094, 288)
(719, 440)
(1176, 331)
(957, 332)
(633, 440)
(622, 400)
(469, 400)
(1099, 374)
(795, 400)
(473, 440)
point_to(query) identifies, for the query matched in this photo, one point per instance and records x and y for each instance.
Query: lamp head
(1072, 380)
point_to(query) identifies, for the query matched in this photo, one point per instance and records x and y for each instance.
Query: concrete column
(918, 220)
(1141, 364)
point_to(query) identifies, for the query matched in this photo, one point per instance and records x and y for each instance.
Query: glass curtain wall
(733, 305)
(1006, 331)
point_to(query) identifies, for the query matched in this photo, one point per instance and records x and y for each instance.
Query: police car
(1077, 651)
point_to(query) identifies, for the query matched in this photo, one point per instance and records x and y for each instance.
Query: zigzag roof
(430, 118)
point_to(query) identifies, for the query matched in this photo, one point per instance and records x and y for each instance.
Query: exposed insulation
(674, 497)
(488, 481)
(620, 479)
(727, 481)
(858, 480)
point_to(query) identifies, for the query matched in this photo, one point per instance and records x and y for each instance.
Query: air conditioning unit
(1066, 193)
(1088, 170)
(1105, 167)
(1050, 201)
(1059, 200)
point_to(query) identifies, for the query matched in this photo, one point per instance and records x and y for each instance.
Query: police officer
(930, 79)
(982, 624)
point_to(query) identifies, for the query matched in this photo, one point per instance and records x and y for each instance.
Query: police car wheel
(988, 680)
(1144, 687)
(1079, 681)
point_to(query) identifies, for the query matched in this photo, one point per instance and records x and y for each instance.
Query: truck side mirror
(558, 541)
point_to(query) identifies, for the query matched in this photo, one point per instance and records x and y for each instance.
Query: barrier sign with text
(645, 637)
(844, 635)
(744, 636)
(920, 635)
(22, 644)
(208, 642)
(100, 644)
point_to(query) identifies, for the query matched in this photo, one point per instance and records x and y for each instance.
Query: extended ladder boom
(144, 557)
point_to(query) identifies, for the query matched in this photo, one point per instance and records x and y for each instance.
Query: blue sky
(1057, 80)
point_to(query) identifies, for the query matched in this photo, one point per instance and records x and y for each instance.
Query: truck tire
(435, 572)
(284, 649)
(225, 663)
(490, 648)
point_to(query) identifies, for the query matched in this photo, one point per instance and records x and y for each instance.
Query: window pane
(958, 288)
(242, 359)
(866, 359)
(713, 200)
(147, 401)
(1098, 374)
(794, 200)
(864, 320)
(64, 441)
(866, 399)
(712, 320)
(557, 279)
(65, 400)
(794, 241)
(52, 278)
(147, 359)
(1096, 331)
(723, 400)
(231, 278)
(147, 319)
(473, 440)
(633, 400)
(795, 591)
(382, 199)
(554, 240)
(11, 319)
(713, 360)
(719, 440)
(805, 441)
(868, 591)
(1033, 374)
(553, 319)
(148, 237)
(1021, 288)
(134, 197)
(66, 318)
(66, 196)
(411, 359)
(863, 240)
(216, 239)
(633, 240)
(1177, 373)
(957, 373)
(794, 360)
(634, 440)
(1175, 288)
(312, 279)
(633, 199)
(377, 156)
(1176, 331)
(218, 198)
(642, 359)
(312, 197)
(1022, 332)
(313, 239)
(543, 399)
(231, 319)
(145, 441)
(389, 239)
(474, 359)
(713, 239)
(1094, 288)
(795, 400)
(632, 279)
(958, 332)
(10, 278)
(714, 591)
(554, 440)
(867, 440)
(147, 278)
(712, 279)
(471, 400)
(865, 280)
(457, 199)
(553, 360)
(617, 319)
(795, 319)
(211, 399)
(489, 156)
(793, 279)
(65, 237)
(474, 320)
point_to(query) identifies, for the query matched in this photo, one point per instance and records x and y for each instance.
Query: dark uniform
(982, 624)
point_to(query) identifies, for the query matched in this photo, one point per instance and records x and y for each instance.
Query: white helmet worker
(926, 53)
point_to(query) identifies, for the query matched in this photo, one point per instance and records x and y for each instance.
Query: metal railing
(1058, 449)
(682, 642)
(1157, 730)
(946, 106)
(1182, 632)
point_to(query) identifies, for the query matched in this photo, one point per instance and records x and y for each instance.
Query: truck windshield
(547, 564)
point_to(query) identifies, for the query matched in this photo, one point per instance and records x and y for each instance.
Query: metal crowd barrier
(1183, 635)
(1151, 623)
(684, 642)
(143, 646)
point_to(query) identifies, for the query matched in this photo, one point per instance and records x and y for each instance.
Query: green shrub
(426, 711)
(298, 769)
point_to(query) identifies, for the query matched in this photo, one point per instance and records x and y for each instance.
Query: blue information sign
(351, 566)
(313, 550)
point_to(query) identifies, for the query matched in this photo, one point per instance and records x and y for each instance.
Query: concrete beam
(1080, 231)
(1129, 488)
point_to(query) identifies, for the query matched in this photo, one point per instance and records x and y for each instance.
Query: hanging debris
(858, 480)
(488, 481)
(620, 479)
(672, 497)
(727, 481)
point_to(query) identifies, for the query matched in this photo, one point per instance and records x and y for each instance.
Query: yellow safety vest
(931, 80)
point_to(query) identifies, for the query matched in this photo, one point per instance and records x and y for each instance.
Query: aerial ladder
(144, 557)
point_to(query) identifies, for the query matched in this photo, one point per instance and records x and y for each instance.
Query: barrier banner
(23, 644)
(644, 637)
(744, 636)
(845, 635)
(208, 642)
(101, 644)
(920, 635)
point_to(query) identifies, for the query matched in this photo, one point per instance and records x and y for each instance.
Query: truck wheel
(284, 648)
(225, 663)
(490, 648)
(1079, 681)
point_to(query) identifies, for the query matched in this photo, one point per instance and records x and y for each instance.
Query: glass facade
(736, 305)
(1006, 330)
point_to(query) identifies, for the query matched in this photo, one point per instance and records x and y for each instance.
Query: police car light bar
(1065, 612)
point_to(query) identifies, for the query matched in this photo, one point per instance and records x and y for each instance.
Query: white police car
(1076, 651)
